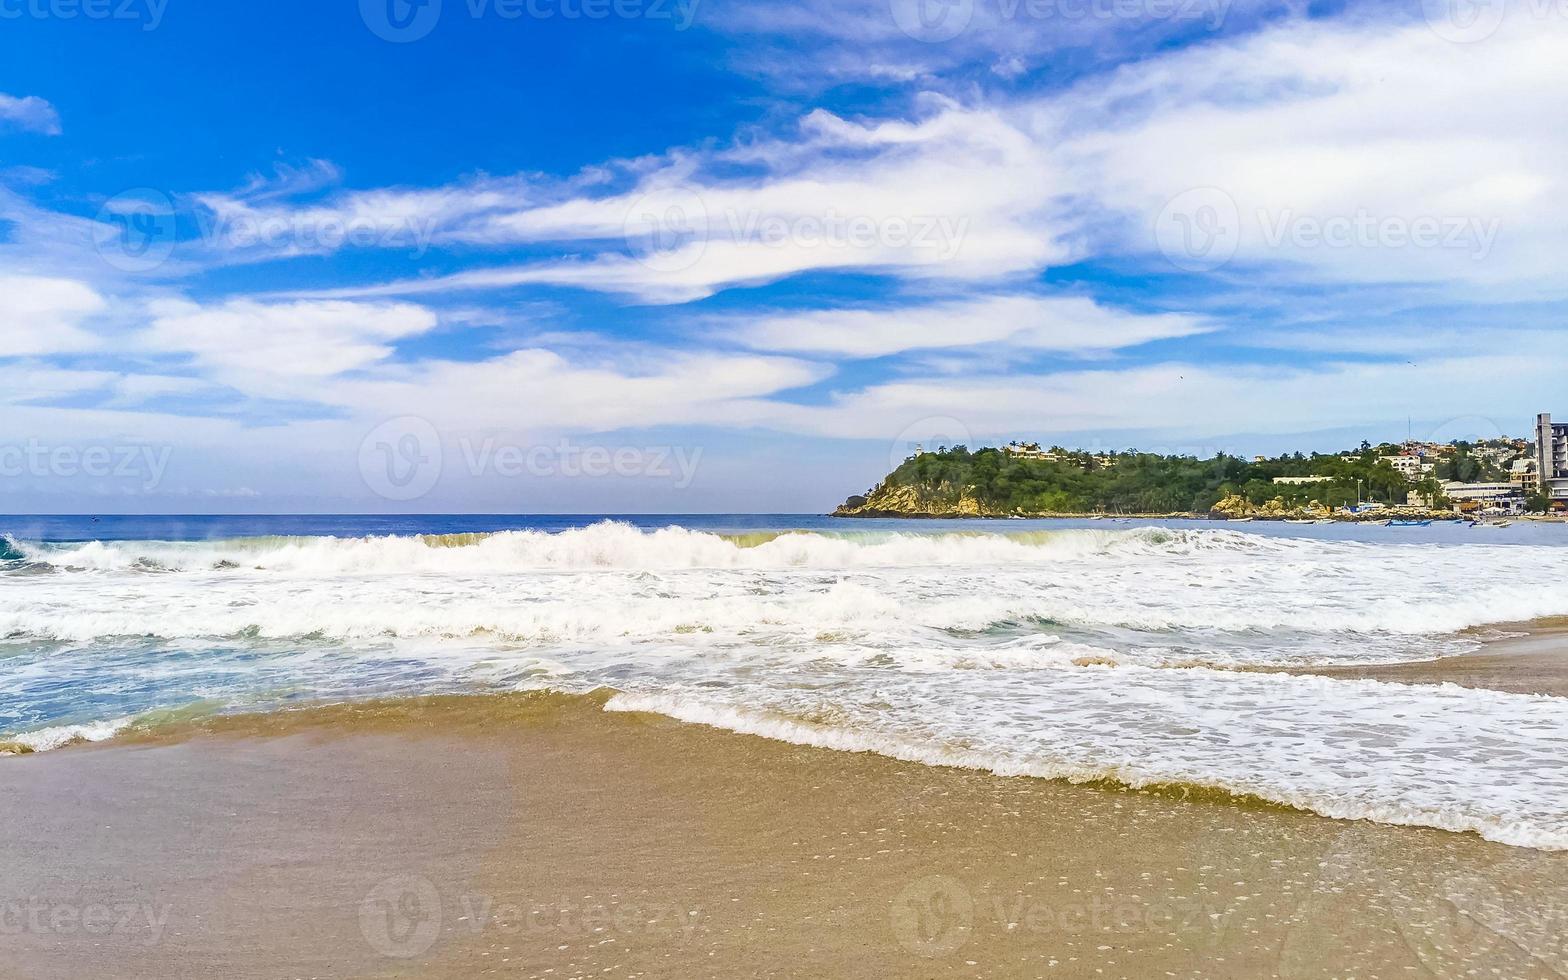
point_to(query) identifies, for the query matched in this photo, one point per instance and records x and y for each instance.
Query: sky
(698, 256)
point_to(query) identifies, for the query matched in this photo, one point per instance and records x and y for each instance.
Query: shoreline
(1436, 517)
(519, 835)
(538, 835)
(1531, 658)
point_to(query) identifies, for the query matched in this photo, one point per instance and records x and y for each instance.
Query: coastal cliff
(888, 500)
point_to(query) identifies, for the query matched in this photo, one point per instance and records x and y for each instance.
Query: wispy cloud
(1034, 323)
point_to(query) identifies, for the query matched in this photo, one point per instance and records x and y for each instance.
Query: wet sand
(537, 836)
(1532, 660)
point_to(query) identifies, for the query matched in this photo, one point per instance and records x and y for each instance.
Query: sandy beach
(538, 836)
(1528, 658)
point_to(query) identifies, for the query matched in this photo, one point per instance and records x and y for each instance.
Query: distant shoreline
(1370, 517)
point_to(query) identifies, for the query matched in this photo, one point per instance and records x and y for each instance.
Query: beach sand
(1526, 658)
(538, 836)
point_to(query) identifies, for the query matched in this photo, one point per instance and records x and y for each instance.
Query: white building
(1500, 498)
(1029, 450)
(1410, 467)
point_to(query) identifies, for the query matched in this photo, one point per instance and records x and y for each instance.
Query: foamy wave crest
(611, 545)
(58, 736)
(1415, 756)
(1212, 596)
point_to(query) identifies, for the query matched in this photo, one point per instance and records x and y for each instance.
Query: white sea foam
(1435, 756)
(54, 737)
(1039, 653)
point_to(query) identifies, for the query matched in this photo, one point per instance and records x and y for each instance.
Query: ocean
(1117, 651)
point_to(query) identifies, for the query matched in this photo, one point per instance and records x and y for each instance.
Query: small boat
(1399, 523)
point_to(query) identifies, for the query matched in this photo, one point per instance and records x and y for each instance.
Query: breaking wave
(1044, 653)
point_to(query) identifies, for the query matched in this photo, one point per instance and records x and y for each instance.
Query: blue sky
(661, 256)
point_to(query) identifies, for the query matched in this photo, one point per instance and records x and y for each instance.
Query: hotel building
(1551, 457)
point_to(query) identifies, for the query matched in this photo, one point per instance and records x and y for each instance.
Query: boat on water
(1398, 523)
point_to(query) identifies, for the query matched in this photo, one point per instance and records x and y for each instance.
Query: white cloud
(1348, 151)
(282, 349)
(1311, 129)
(43, 315)
(29, 113)
(31, 381)
(1068, 324)
(958, 194)
(539, 389)
(1188, 400)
